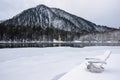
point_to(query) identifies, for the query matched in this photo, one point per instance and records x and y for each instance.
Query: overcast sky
(102, 12)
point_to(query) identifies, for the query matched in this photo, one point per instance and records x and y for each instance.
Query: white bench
(96, 64)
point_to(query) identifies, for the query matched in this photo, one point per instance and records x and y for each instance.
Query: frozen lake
(44, 63)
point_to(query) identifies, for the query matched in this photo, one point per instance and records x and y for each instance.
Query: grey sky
(102, 12)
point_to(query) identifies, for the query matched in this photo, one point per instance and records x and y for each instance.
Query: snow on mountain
(44, 17)
(1, 21)
(77, 21)
(42, 23)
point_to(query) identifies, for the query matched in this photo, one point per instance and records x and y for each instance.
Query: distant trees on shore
(111, 36)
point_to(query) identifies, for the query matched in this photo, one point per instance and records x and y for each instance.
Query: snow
(112, 71)
(55, 63)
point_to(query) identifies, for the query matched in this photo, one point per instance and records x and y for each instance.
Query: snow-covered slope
(44, 17)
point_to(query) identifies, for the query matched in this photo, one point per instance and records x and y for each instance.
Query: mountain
(1, 21)
(44, 23)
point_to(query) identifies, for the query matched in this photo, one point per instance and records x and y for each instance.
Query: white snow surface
(55, 63)
(111, 72)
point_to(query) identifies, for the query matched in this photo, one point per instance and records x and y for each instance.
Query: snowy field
(47, 63)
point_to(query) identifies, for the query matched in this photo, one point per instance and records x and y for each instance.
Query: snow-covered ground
(111, 72)
(52, 63)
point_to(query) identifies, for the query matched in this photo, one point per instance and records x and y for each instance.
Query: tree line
(35, 33)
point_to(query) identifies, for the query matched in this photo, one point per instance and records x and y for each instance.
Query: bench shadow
(58, 76)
